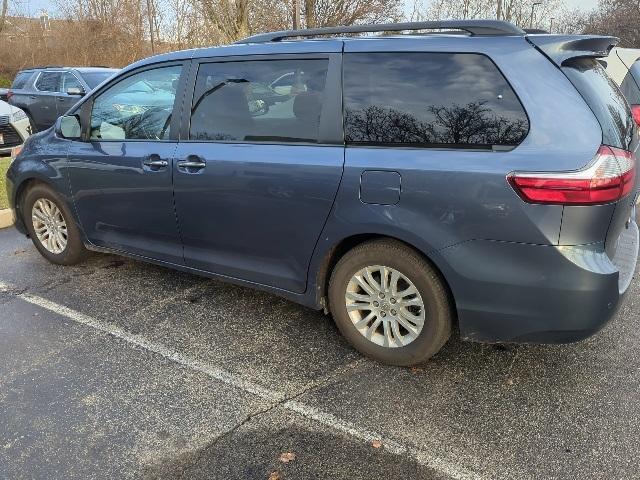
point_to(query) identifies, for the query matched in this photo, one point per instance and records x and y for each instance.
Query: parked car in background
(623, 66)
(14, 127)
(46, 93)
(407, 184)
(3, 94)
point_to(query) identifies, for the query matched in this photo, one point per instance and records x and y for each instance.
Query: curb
(6, 218)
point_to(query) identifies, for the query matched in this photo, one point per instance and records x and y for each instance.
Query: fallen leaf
(274, 476)
(376, 444)
(416, 369)
(287, 457)
(509, 381)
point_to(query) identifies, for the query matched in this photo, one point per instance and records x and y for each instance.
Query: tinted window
(135, 108)
(49, 82)
(21, 80)
(94, 79)
(631, 84)
(239, 101)
(605, 99)
(429, 100)
(70, 81)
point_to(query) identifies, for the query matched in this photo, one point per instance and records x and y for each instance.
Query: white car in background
(623, 66)
(14, 127)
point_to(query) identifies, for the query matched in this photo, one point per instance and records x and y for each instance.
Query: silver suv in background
(48, 92)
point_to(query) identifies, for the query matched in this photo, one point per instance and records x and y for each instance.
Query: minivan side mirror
(76, 91)
(68, 126)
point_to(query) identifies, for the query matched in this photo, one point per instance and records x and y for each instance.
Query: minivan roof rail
(473, 27)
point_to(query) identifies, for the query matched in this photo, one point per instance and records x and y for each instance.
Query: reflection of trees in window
(472, 124)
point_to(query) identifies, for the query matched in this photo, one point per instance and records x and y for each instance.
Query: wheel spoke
(395, 328)
(372, 328)
(365, 321)
(387, 335)
(417, 320)
(384, 277)
(358, 306)
(357, 297)
(371, 280)
(395, 276)
(364, 285)
(407, 325)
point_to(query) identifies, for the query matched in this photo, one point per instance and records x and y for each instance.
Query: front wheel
(51, 226)
(390, 303)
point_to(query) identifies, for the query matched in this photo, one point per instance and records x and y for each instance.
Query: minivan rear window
(420, 99)
(604, 98)
(21, 80)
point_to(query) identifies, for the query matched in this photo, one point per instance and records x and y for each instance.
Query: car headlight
(18, 115)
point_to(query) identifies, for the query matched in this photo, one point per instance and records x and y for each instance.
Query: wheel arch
(340, 248)
(18, 196)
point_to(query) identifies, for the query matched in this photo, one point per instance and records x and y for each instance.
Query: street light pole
(533, 7)
(551, 26)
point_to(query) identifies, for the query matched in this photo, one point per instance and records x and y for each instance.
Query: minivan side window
(246, 101)
(138, 107)
(49, 82)
(419, 99)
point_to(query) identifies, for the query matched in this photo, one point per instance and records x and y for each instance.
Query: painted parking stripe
(328, 420)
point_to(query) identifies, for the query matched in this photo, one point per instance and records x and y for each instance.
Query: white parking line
(328, 420)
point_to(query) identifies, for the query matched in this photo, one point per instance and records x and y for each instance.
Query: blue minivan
(482, 180)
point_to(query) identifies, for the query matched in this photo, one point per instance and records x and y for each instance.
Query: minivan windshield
(605, 100)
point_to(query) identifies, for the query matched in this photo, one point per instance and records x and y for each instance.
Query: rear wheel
(390, 303)
(51, 226)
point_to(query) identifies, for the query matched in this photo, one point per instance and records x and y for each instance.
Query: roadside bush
(5, 82)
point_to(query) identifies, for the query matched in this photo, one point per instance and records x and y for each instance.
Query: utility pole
(296, 14)
(551, 26)
(533, 7)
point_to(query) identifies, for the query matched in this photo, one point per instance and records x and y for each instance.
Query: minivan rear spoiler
(560, 48)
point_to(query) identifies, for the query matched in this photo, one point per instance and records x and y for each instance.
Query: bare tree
(612, 17)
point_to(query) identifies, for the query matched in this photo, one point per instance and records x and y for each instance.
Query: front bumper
(14, 134)
(515, 292)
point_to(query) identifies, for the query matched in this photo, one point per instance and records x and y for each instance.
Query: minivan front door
(257, 178)
(121, 178)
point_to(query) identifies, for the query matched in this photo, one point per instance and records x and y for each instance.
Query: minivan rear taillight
(635, 109)
(607, 179)
(9, 94)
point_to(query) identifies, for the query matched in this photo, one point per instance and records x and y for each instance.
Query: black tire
(74, 252)
(438, 309)
(32, 124)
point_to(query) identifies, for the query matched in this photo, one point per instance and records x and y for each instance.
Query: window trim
(445, 147)
(86, 108)
(35, 82)
(330, 132)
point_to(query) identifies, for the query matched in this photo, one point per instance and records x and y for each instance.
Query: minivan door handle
(192, 164)
(154, 162)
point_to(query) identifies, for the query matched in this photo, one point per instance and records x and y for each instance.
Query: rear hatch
(577, 57)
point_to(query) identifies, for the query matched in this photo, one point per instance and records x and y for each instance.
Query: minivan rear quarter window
(430, 100)
(604, 98)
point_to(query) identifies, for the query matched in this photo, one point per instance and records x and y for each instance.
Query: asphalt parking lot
(118, 369)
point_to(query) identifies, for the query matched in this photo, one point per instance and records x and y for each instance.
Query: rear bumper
(514, 292)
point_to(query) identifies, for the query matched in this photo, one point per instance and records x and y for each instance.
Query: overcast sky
(33, 7)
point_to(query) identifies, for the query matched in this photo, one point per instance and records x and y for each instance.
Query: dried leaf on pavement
(376, 444)
(286, 457)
